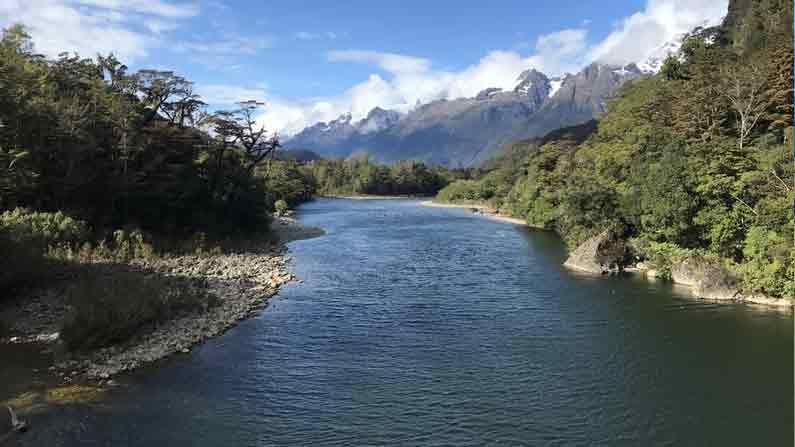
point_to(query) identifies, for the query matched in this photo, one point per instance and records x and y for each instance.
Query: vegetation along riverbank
(688, 176)
(133, 224)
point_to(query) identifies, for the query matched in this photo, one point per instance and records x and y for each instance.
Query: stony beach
(242, 283)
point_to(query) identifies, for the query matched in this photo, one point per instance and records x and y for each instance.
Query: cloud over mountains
(130, 28)
(403, 80)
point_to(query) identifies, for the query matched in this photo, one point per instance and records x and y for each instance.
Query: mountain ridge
(464, 132)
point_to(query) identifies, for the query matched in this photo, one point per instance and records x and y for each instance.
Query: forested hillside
(696, 160)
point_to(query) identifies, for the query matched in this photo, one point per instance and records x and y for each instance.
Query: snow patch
(554, 86)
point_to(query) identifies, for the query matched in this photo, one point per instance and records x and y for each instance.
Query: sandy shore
(482, 210)
(242, 282)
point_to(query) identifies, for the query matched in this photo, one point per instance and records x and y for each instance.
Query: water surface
(428, 326)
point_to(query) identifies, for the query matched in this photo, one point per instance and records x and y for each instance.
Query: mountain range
(467, 131)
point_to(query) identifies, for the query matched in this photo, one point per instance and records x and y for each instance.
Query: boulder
(708, 278)
(605, 253)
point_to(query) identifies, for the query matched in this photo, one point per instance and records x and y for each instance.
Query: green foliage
(281, 207)
(41, 229)
(672, 69)
(662, 256)
(359, 176)
(288, 181)
(461, 191)
(118, 149)
(694, 161)
(109, 305)
(769, 263)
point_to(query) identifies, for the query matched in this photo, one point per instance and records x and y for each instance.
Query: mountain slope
(467, 131)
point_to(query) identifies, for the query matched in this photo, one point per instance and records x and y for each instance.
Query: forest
(360, 176)
(95, 158)
(696, 160)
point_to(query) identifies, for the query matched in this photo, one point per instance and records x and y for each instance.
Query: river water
(429, 326)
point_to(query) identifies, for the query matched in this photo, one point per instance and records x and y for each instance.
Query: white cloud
(224, 96)
(158, 26)
(222, 53)
(410, 79)
(153, 7)
(127, 28)
(662, 20)
(227, 44)
(391, 62)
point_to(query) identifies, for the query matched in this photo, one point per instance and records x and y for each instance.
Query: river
(430, 326)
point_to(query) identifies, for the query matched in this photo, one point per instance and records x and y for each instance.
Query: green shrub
(281, 207)
(42, 229)
(769, 263)
(461, 191)
(662, 256)
(109, 305)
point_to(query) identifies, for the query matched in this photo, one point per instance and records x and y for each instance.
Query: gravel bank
(242, 282)
(478, 209)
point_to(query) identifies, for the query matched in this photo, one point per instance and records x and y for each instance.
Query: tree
(744, 86)
(672, 69)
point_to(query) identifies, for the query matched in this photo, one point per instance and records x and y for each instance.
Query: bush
(42, 229)
(281, 207)
(110, 304)
(769, 263)
(21, 264)
(662, 255)
(461, 191)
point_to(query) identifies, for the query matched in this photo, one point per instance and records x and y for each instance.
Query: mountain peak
(487, 93)
(377, 119)
(534, 85)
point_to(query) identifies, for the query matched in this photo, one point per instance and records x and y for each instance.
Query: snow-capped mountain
(377, 119)
(654, 61)
(556, 82)
(534, 85)
(466, 131)
(656, 57)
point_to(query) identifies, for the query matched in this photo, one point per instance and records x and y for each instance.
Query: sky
(311, 61)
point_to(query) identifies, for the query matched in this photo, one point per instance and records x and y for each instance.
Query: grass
(109, 299)
(110, 303)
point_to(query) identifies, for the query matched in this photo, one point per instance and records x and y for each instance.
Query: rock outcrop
(708, 279)
(605, 253)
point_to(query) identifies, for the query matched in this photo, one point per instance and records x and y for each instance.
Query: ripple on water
(427, 326)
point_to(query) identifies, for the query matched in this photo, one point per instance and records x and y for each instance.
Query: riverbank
(707, 278)
(371, 197)
(479, 209)
(685, 280)
(241, 283)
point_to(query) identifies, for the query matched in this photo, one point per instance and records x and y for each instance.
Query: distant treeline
(696, 160)
(359, 175)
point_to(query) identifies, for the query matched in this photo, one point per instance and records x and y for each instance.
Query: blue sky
(312, 60)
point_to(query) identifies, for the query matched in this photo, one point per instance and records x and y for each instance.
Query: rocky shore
(241, 282)
(610, 253)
